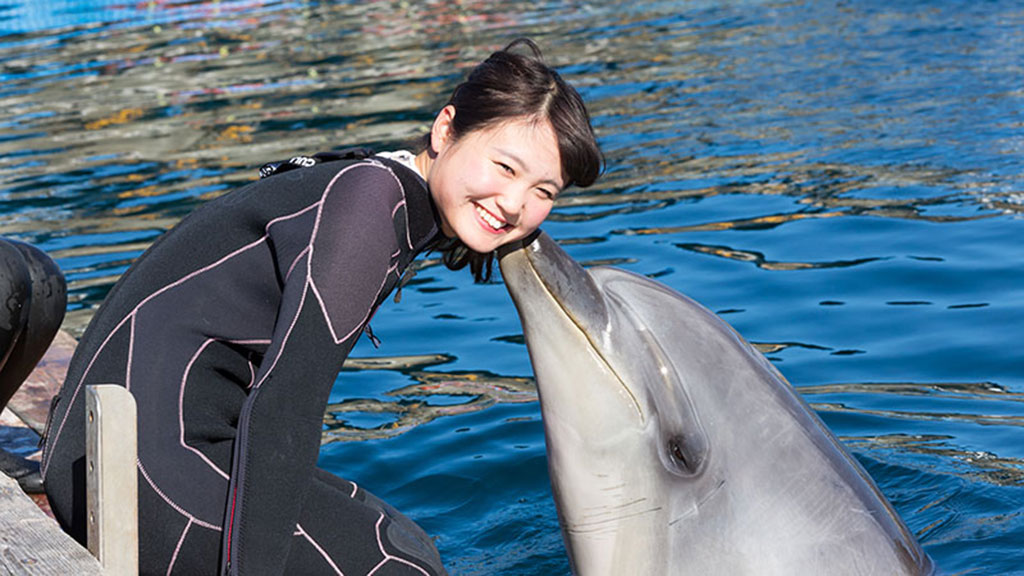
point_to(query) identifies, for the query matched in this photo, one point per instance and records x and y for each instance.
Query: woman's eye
(547, 194)
(506, 168)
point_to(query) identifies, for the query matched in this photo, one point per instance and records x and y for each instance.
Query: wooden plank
(111, 478)
(32, 543)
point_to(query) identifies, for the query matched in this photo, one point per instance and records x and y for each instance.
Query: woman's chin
(483, 241)
(476, 245)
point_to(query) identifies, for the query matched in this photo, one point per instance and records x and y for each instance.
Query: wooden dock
(31, 542)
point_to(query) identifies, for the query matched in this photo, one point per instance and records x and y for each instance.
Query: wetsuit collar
(424, 219)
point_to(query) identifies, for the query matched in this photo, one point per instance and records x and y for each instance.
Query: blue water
(841, 181)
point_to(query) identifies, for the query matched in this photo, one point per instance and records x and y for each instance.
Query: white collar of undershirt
(403, 157)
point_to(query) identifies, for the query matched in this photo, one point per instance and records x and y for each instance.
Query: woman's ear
(441, 135)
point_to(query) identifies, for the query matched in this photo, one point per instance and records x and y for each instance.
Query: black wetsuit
(229, 332)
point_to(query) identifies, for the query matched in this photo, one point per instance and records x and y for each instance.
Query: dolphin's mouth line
(593, 345)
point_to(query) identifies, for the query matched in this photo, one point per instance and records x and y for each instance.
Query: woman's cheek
(474, 178)
(488, 183)
(538, 212)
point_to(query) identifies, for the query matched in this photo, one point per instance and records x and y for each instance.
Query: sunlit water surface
(840, 180)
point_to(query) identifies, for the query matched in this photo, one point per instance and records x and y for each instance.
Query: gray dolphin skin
(674, 447)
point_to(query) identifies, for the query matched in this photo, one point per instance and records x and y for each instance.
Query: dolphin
(675, 447)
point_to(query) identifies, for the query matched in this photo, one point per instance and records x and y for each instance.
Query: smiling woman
(511, 137)
(231, 329)
(495, 185)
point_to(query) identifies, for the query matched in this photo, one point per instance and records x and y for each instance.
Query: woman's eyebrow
(516, 159)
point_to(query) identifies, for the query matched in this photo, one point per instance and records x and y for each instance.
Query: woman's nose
(510, 201)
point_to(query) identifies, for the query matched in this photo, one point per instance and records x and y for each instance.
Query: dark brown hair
(514, 84)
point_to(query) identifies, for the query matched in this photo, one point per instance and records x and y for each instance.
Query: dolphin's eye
(677, 453)
(687, 460)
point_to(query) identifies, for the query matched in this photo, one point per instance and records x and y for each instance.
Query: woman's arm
(328, 297)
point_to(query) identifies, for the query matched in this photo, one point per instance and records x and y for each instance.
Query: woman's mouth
(491, 220)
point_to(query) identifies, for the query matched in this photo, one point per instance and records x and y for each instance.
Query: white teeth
(491, 220)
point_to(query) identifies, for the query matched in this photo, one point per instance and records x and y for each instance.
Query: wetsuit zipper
(238, 478)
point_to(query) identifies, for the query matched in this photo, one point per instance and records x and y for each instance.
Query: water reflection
(126, 120)
(957, 390)
(980, 466)
(434, 395)
(437, 394)
(986, 466)
(175, 103)
(759, 260)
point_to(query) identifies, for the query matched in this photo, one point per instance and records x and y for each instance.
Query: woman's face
(494, 185)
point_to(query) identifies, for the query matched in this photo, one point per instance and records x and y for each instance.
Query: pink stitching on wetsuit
(252, 375)
(253, 341)
(380, 545)
(361, 323)
(287, 335)
(326, 556)
(181, 410)
(170, 502)
(295, 263)
(266, 229)
(202, 270)
(100, 359)
(408, 232)
(181, 396)
(131, 352)
(53, 442)
(312, 239)
(174, 557)
(309, 278)
(305, 288)
(319, 203)
(128, 316)
(131, 315)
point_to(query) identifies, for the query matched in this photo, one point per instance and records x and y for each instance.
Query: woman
(231, 329)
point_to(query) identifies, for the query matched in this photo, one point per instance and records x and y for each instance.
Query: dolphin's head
(627, 451)
(674, 447)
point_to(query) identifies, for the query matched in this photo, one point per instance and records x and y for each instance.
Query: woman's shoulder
(355, 170)
(353, 154)
(301, 180)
